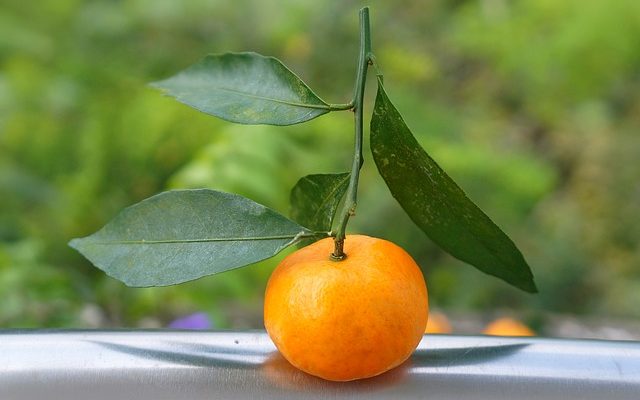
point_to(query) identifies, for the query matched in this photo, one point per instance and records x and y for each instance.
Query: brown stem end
(338, 252)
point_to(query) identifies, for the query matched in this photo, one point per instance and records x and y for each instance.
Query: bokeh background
(533, 107)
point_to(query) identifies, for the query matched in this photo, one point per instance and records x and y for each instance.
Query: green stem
(341, 107)
(351, 197)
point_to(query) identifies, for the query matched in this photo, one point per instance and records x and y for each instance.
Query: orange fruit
(507, 327)
(438, 323)
(349, 319)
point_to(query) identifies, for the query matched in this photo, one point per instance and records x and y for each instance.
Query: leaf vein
(301, 234)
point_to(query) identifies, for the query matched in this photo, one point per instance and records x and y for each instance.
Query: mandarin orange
(349, 319)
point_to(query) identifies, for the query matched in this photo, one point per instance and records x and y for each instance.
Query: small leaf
(246, 88)
(182, 235)
(437, 204)
(315, 198)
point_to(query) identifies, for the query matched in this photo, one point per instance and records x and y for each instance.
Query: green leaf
(182, 235)
(246, 88)
(315, 198)
(437, 204)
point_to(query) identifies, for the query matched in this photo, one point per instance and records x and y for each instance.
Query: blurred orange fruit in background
(438, 323)
(507, 327)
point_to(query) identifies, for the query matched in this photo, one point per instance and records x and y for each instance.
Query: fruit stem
(349, 208)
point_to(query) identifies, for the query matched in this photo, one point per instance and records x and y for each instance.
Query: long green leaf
(182, 235)
(437, 204)
(315, 198)
(246, 88)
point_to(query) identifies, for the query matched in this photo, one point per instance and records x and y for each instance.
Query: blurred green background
(532, 106)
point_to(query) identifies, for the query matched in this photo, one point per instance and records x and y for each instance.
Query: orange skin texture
(507, 327)
(349, 319)
(438, 323)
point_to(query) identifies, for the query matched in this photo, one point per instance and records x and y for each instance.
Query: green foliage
(531, 106)
(179, 236)
(437, 204)
(246, 88)
(33, 291)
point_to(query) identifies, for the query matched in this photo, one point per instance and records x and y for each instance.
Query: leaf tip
(156, 85)
(531, 287)
(526, 284)
(75, 243)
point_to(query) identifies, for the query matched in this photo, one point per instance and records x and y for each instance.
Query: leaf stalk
(351, 197)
